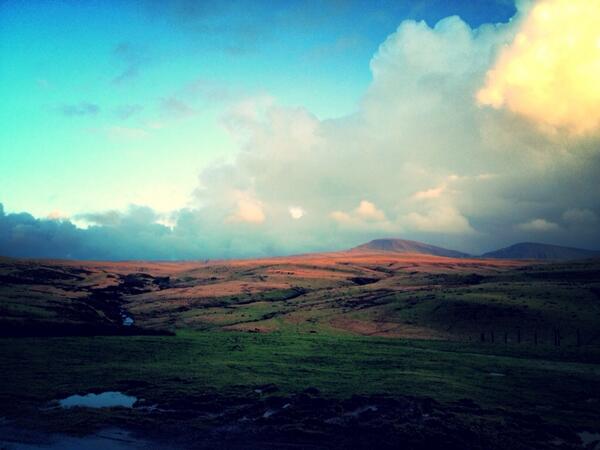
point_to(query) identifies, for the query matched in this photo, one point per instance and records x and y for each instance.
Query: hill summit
(533, 250)
(406, 246)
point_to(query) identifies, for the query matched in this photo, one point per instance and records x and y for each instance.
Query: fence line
(534, 336)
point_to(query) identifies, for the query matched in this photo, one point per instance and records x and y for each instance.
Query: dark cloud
(136, 234)
(25, 236)
(79, 109)
(130, 235)
(108, 218)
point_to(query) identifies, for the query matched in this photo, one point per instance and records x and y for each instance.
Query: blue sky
(94, 93)
(183, 129)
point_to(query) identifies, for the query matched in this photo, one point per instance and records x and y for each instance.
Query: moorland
(368, 348)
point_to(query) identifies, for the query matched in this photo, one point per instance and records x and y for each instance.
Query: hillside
(406, 246)
(403, 344)
(380, 293)
(532, 250)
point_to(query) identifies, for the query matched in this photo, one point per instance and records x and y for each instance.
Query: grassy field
(547, 381)
(252, 334)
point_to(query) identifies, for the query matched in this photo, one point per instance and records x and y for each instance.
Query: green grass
(544, 381)
(560, 384)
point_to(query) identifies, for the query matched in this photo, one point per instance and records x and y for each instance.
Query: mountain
(532, 250)
(404, 246)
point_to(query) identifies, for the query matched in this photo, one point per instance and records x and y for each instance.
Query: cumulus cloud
(538, 225)
(365, 216)
(442, 219)
(132, 234)
(296, 212)
(369, 212)
(248, 210)
(419, 159)
(57, 215)
(134, 215)
(550, 72)
(383, 152)
(430, 193)
(420, 148)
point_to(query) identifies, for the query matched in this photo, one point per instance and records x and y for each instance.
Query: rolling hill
(405, 246)
(288, 343)
(523, 250)
(532, 250)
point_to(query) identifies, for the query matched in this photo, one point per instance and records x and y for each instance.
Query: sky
(145, 129)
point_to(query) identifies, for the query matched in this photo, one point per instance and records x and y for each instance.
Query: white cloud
(296, 212)
(538, 225)
(365, 216)
(341, 217)
(248, 210)
(442, 219)
(419, 156)
(550, 72)
(369, 212)
(430, 193)
(57, 215)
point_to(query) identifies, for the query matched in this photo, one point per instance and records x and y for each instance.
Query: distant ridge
(533, 250)
(405, 246)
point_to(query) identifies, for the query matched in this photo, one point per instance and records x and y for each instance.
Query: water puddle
(108, 439)
(126, 319)
(103, 400)
(588, 438)
(496, 374)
